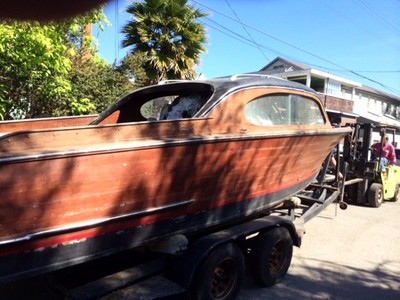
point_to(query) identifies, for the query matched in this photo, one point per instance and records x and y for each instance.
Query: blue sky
(354, 39)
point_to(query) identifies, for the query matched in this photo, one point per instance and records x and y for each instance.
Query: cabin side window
(283, 109)
(172, 107)
(168, 101)
(153, 109)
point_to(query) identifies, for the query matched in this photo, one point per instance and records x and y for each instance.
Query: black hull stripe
(27, 262)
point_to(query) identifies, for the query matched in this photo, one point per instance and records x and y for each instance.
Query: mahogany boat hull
(84, 192)
(180, 179)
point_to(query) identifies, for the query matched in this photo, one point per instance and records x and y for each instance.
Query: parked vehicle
(365, 182)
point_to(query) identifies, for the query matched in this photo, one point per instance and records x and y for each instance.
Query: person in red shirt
(386, 152)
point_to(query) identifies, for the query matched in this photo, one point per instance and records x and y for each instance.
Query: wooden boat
(175, 158)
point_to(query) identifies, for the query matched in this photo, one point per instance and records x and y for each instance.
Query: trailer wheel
(271, 256)
(375, 195)
(396, 193)
(221, 274)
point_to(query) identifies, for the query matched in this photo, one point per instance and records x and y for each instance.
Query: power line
(302, 50)
(116, 43)
(332, 8)
(245, 29)
(227, 32)
(238, 37)
(381, 19)
(379, 71)
(223, 29)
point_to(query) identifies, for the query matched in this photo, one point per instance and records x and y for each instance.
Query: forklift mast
(356, 149)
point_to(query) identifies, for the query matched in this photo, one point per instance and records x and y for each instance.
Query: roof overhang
(320, 74)
(335, 78)
(378, 120)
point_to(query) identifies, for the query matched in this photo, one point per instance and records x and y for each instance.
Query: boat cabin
(189, 99)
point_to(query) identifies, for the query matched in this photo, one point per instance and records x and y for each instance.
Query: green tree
(168, 33)
(96, 85)
(54, 69)
(133, 66)
(33, 66)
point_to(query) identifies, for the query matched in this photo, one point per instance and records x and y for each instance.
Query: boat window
(153, 109)
(283, 109)
(171, 107)
(182, 107)
(160, 102)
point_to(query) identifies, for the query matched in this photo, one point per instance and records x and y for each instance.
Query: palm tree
(167, 33)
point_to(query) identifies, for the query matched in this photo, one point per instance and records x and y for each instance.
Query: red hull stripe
(90, 233)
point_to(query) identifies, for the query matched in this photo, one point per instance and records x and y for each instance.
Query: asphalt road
(351, 254)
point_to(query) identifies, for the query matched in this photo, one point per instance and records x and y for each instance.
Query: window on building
(392, 110)
(333, 88)
(278, 67)
(384, 107)
(283, 109)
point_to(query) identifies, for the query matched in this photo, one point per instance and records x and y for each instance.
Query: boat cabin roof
(197, 98)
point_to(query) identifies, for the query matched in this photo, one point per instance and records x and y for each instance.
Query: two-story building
(340, 94)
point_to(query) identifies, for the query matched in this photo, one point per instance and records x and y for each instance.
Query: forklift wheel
(375, 195)
(343, 205)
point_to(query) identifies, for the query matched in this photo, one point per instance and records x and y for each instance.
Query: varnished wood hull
(72, 194)
(180, 178)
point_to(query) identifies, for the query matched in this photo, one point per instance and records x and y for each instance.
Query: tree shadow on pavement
(330, 281)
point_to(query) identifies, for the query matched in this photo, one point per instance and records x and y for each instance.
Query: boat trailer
(179, 274)
(211, 264)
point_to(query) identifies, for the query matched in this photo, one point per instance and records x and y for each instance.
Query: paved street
(352, 254)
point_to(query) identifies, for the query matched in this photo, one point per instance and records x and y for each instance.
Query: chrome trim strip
(161, 143)
(97, 222)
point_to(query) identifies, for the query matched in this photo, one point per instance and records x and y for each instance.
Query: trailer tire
(271, 256)
(396, 193)
(220, 275)
(375, 195)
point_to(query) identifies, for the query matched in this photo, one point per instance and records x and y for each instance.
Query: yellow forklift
(364, 182)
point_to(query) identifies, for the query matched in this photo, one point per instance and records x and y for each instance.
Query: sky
(354, 39)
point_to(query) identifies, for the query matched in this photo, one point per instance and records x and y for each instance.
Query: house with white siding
(340, 94)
